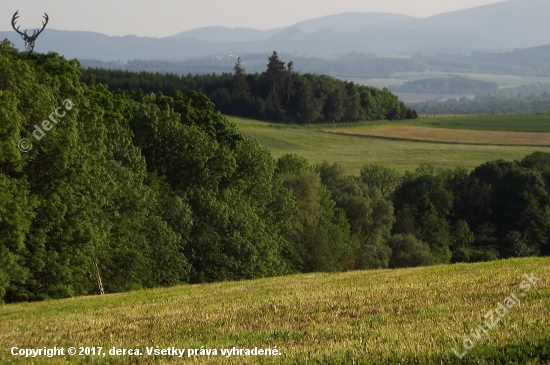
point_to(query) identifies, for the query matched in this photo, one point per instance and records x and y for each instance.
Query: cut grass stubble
(370, 317)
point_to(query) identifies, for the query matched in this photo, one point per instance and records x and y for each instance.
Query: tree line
(528, 61)
(447, 85)
(488, 104)
(526, 92)
(349, 65)
(151, 190)
(278, 94)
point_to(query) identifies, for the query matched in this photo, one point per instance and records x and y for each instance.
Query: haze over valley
(504, 25)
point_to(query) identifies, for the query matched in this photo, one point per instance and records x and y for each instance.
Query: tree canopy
(150, 190)
(279, 93)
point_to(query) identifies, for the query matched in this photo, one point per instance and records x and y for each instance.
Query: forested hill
(152, 190)
(279, 94)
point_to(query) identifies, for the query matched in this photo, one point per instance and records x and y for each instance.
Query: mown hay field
(451, 136)
(405, 316)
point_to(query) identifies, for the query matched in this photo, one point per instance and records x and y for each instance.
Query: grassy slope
(373, 317)
(354, 152)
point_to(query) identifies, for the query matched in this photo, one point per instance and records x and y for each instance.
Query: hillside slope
(504, 25)
(372, 317)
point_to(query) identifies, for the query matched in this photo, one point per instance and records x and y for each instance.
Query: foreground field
(408, 316)
(314, 143)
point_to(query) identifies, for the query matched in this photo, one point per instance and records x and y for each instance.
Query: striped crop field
(450, 136)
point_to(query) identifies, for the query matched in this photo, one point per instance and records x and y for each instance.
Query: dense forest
(278, 94)
(150, 190)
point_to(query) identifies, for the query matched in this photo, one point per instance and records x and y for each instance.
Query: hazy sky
(161, 18)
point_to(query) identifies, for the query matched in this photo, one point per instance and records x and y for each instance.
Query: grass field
(513, 123)
(317, 145)
(453, 136)
(406, 316)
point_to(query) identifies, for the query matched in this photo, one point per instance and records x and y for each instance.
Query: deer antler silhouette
(29, 40)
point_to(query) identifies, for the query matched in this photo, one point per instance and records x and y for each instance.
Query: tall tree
(241, 88)
(290, 70)
(385, 178)
(321, 239)
(352, 103)
(334, 102)
(276, 75)
(422, 204)
(369, 214)
(309, 105)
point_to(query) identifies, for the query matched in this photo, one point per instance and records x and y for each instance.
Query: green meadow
(352, 152)
(513, 123)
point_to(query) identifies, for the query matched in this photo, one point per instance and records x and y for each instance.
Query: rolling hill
(504, 25)
(405, 316)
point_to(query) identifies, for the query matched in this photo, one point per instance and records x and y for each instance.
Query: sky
(162, 18)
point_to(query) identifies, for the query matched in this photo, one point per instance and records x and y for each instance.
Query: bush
(465, 254)
(407, 251)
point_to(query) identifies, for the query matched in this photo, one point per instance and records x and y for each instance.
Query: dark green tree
(321, 236)
(241, 88)
(385, 178)
(369, 214)
(352, 103)
(275, 74)
(408, 251)
(422, 206)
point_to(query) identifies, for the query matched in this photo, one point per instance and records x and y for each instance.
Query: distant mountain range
(533, 61)
(505, 25)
